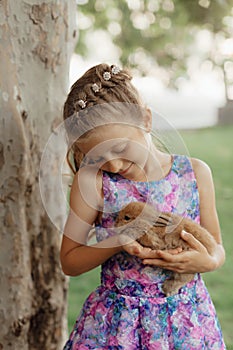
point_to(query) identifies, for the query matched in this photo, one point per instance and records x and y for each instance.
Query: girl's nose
(114, 165)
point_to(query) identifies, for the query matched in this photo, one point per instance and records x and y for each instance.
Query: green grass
(215, 146)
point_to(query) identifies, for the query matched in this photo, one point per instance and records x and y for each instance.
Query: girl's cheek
(137, 152)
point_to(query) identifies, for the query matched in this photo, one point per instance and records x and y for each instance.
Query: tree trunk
(37, 38)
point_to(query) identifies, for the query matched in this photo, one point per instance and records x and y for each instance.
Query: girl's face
(119, 149)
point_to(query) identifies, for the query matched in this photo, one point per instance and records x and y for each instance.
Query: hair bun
(111, 75)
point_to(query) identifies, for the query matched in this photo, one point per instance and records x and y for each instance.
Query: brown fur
(161, 231)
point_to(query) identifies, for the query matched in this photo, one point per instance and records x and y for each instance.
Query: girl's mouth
(126, 170)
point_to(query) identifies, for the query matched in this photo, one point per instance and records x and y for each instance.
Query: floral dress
(129, 309)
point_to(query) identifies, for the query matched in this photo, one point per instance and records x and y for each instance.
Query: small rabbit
(161, 230)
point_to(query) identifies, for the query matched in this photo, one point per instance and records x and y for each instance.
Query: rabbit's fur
(160, 230)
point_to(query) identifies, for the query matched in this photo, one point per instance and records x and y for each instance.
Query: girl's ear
(148, 120)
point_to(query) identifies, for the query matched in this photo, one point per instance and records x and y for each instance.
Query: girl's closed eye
(93, 161)
(120, 148)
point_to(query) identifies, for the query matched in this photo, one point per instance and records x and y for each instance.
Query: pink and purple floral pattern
(129, 310)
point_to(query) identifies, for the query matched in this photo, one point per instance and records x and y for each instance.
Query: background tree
(36, 43)
(155, 34)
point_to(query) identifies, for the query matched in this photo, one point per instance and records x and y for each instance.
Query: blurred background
(180, 53)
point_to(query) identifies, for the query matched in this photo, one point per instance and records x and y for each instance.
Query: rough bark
(37, 38)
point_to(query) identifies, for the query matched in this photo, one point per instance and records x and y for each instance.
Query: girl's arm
(75, 256)
(77, 259)
(208, 212)
(198, 259)
(85, 199)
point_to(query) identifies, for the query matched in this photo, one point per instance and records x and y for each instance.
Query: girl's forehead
(108, 136)
(114, 130)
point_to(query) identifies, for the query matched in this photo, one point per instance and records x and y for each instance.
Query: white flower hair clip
(82, 103)
(115, 70)
(95, 87)
(107, 76)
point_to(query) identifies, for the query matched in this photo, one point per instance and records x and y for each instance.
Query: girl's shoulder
(87, 175)
(202, 172)
(88, 183)
(200, 167)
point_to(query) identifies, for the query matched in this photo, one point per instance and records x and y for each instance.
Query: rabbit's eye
(127, 218)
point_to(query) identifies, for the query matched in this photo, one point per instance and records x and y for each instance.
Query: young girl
(116, 163)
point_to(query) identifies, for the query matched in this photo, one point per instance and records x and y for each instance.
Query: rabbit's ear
(162, 220)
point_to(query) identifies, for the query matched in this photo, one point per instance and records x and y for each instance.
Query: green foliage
(159, 32)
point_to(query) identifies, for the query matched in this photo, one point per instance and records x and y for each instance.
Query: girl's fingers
(167, 257)
(125, 240)
(192, 241)
(175, 251)
(155, 262)
(133, 247)
(129, 245)
(164, 264)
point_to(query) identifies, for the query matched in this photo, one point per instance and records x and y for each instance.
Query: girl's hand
(135, 248)
(197, 259)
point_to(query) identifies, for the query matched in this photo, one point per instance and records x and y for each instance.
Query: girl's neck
(157, 166)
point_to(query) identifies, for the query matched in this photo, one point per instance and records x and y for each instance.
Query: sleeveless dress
(129, 310)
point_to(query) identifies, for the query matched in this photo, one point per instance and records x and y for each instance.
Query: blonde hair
(113, 96)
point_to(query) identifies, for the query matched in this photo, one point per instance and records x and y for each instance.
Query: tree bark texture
(37, 39)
